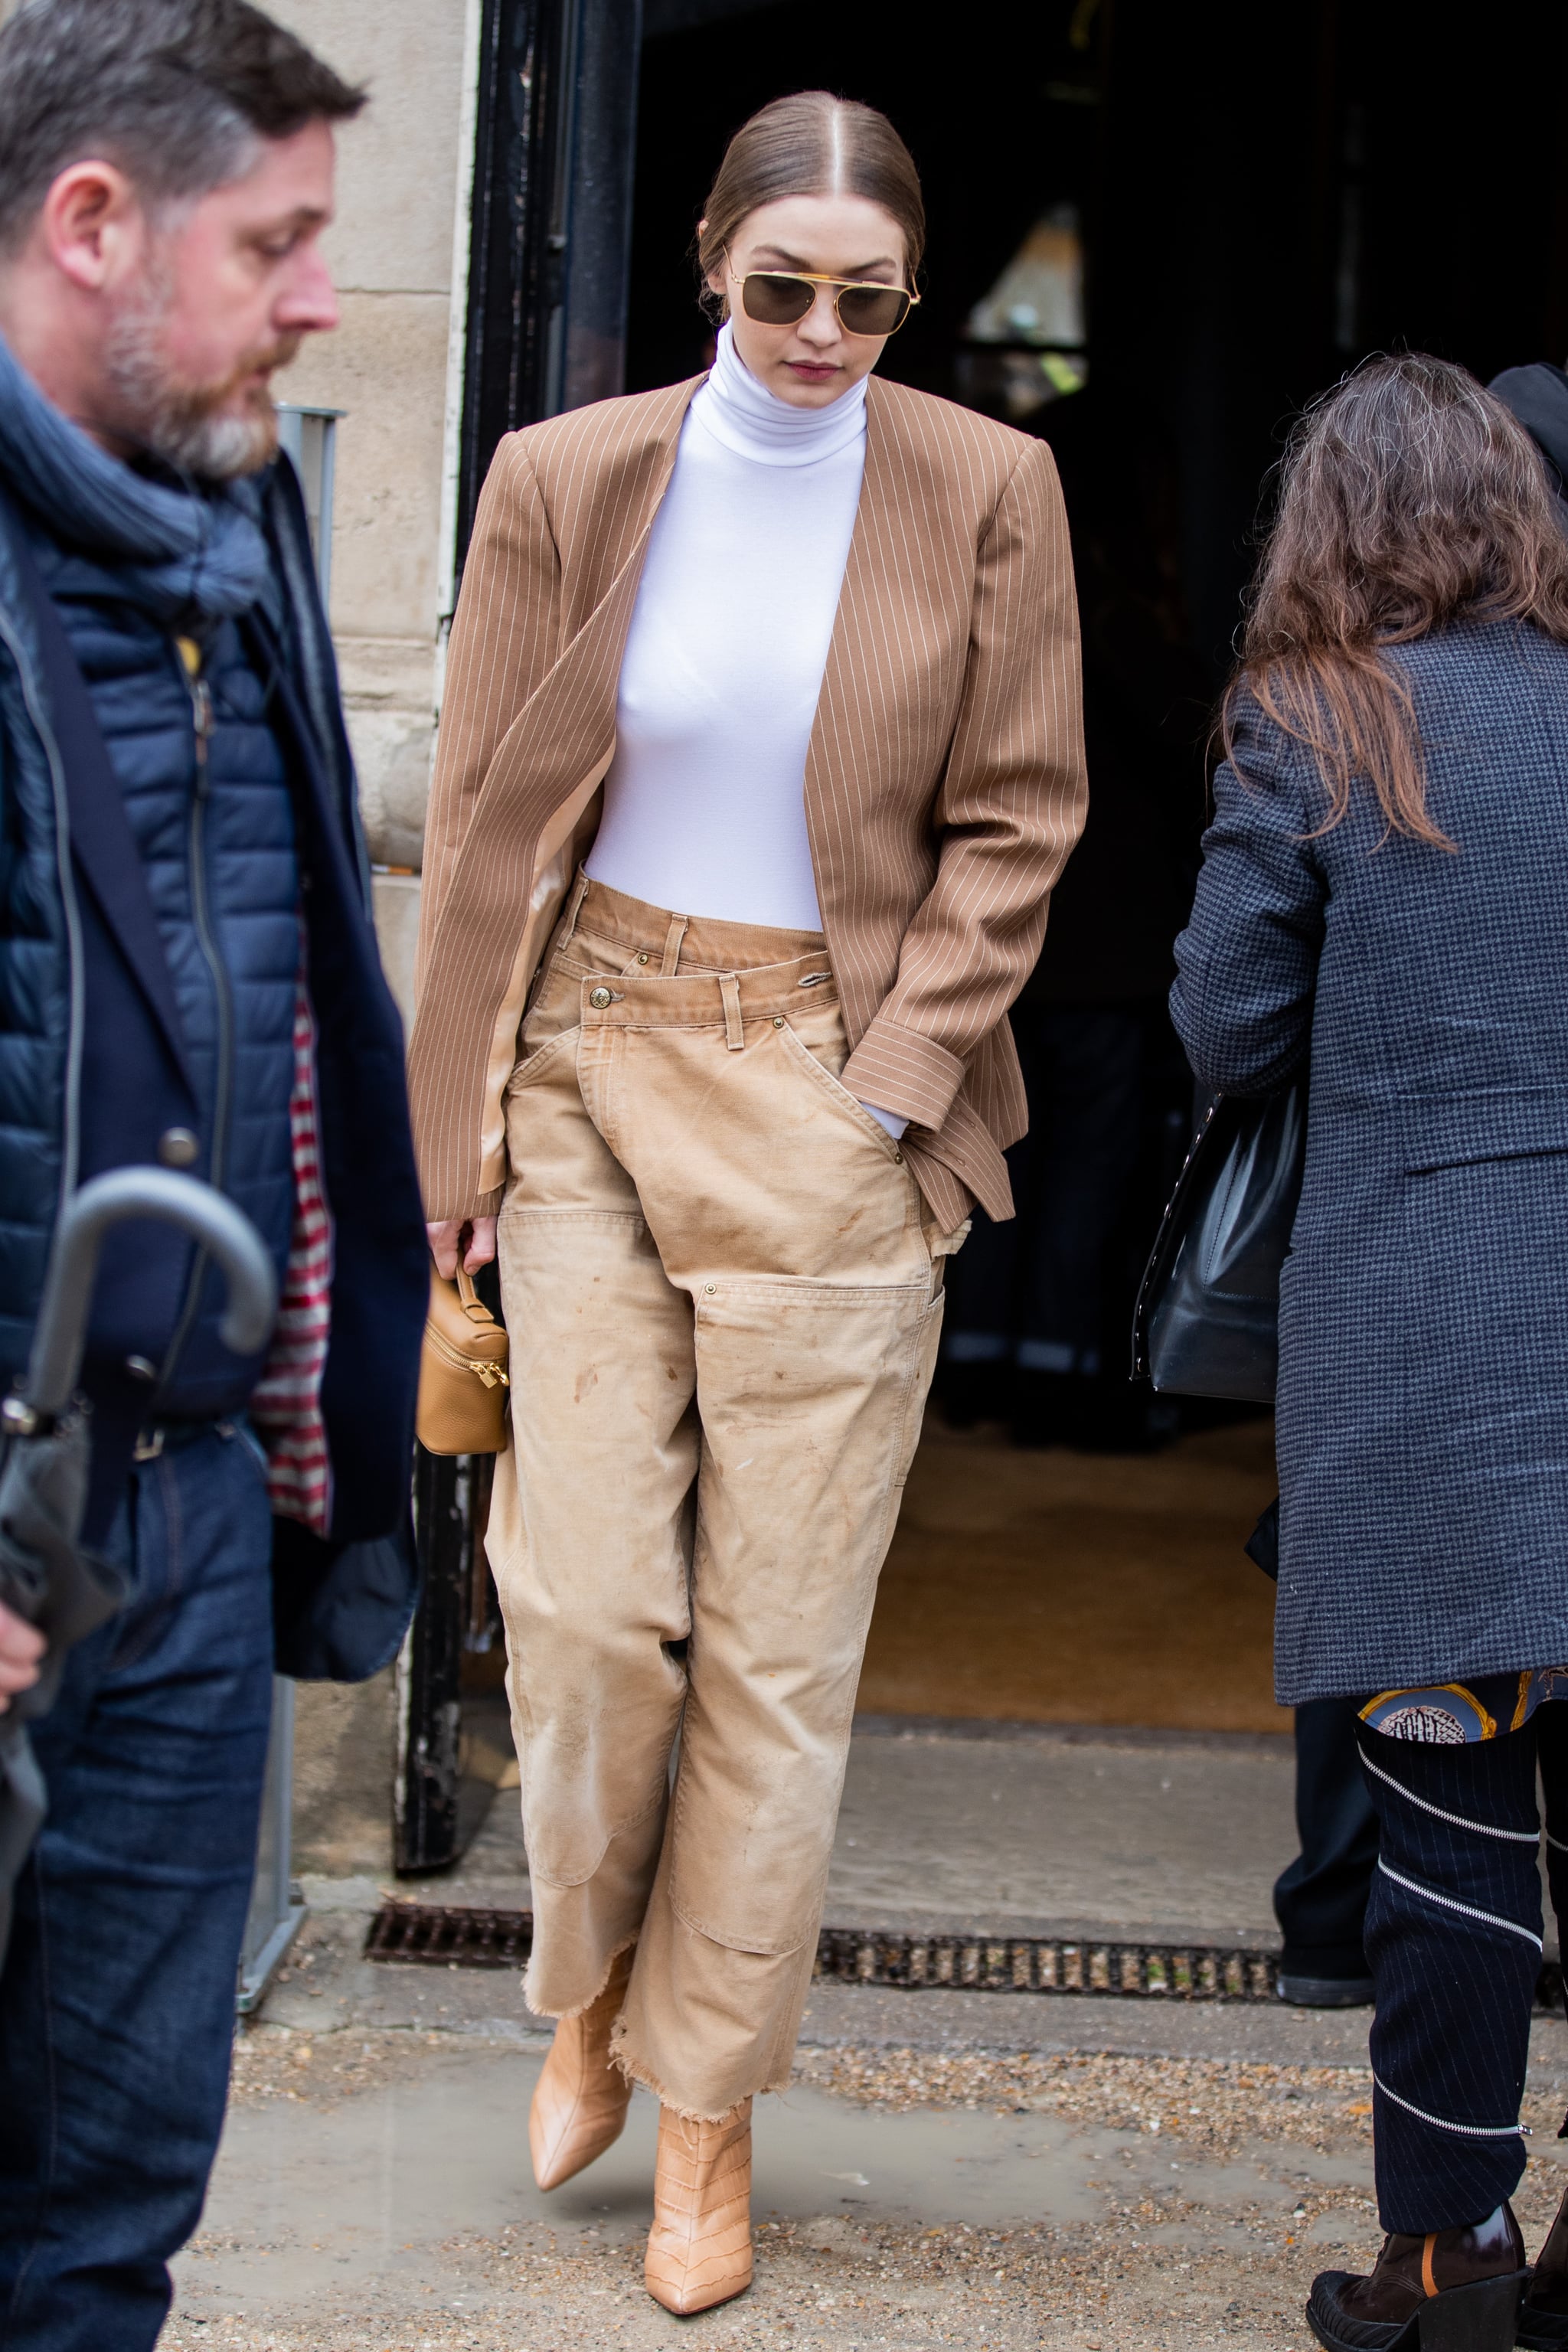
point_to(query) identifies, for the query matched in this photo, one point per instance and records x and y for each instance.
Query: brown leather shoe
(1452, 2291)
(1543, 2322)
(580, 2100)
(699, 2248)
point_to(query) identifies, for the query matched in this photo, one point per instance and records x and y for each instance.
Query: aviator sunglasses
(778, 298)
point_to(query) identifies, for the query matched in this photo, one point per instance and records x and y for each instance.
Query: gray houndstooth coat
(1423, 1403)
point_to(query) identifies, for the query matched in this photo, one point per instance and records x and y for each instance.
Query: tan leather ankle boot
(580, 2100)
(699, 2248)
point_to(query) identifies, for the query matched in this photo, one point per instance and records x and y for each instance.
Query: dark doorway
(1253, 198)
(1258, 197)
(1265, 195)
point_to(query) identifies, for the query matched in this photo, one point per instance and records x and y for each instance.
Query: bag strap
(104, 848)
(1214, 1130)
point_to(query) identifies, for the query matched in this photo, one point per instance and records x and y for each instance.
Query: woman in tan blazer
(760, 755)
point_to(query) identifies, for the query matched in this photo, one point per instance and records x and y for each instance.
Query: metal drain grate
(502, 1940)
(1044, 1964)
(426, 1933)
(459, 1940)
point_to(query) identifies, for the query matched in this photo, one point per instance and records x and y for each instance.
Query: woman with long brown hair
(758, 757)
(1383, 904)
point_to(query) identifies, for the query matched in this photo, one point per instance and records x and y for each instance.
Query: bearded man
(188, 976)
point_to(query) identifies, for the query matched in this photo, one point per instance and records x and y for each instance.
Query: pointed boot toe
(699, 2248)
(580, 2100)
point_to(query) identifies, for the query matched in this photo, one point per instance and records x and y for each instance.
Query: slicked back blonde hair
(811, 144)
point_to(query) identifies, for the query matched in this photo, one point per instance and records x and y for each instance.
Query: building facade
(399, 252)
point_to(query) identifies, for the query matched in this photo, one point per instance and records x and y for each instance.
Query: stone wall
(402, 186)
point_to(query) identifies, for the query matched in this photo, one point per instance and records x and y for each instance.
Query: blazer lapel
(856, 727)
(863, 653)
(562, 741)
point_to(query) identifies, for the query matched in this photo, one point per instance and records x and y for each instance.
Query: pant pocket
(816, 1070)
(810, 1398)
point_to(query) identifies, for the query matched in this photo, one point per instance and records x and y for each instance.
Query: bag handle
(468, 1299)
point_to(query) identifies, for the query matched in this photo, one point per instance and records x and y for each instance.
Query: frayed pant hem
(578, 2009)
(634, 2073)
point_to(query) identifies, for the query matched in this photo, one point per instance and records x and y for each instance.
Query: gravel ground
(1153, 2273)
(280, 2061)
(883, 2290)
(1212, 2106)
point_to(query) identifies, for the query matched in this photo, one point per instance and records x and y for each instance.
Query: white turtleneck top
(704, 801)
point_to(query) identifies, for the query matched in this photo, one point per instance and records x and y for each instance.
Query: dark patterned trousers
(1454, 1941)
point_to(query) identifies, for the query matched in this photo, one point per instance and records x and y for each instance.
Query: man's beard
(191, 426)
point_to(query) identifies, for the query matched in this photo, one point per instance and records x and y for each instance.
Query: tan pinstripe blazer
(945, 784)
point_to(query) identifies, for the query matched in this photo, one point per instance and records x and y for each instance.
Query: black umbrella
(44, 1576)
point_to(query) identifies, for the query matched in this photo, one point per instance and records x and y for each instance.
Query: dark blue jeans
(117, 2001)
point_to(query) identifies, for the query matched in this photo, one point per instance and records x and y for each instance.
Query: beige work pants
(724, 1304)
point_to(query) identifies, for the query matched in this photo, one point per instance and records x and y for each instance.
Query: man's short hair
(175, 93)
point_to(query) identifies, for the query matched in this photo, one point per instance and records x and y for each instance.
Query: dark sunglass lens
(873, 310)
(776, 301)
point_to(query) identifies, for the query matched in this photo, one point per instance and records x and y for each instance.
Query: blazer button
(598, 998)
(177, 1147)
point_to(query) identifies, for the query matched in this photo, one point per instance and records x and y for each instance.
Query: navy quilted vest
(207, 794)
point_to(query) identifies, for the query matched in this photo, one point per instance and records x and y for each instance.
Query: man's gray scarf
(188, 553)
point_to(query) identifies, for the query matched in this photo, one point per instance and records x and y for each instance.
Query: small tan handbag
(462, 1372)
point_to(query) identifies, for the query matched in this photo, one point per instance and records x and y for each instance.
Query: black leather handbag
(1207, 1318)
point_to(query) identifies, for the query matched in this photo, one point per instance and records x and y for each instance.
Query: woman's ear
(716, 279)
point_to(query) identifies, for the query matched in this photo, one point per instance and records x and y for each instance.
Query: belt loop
(672, 939)
(729, 990)
(574, 905)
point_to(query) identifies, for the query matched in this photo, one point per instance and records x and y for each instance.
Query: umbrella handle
(199, 1211)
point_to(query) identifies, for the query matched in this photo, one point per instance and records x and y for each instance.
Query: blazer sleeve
(1010, 807)
(503, 644)
(1247, 964)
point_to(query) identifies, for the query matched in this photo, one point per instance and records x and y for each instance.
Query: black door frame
(555, 138)
(555, 131)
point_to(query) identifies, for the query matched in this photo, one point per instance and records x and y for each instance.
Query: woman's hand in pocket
(447, 1236)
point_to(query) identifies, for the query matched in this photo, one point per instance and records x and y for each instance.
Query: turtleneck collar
(751, 421)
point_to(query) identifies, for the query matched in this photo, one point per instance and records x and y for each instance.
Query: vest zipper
(206, 940)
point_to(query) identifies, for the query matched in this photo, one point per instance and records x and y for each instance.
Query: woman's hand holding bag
(463, 1375)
